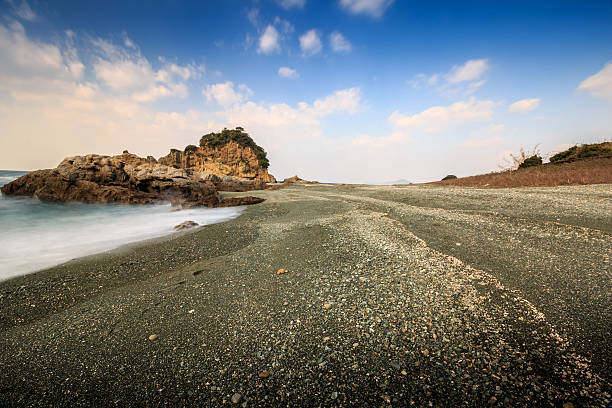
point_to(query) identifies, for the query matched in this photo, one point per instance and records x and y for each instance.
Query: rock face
(124, 179)
(228, 153)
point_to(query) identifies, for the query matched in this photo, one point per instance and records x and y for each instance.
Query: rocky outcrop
(297, 180)
(124, 179)
(228, 153)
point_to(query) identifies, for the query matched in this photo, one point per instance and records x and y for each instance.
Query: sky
(356, 91)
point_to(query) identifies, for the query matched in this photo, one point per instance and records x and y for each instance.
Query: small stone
(185, 225)
(264, 374)
(568, 405)
(395, 365)
(281, 271)
(326, 338)
(334, 395)
(404, 372)
(236, 398)
(492, 400)
(191, 311)
(326, 305)
(153, 337)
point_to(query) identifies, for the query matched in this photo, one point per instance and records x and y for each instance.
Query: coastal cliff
(228, 153)
(225, 161)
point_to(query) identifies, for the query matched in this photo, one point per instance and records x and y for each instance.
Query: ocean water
(36, 235)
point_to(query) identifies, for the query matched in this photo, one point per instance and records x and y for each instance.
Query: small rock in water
(236, 398)
(281, 271)
(153, 337)
(185, 225)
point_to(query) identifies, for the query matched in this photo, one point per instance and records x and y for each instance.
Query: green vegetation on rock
(584, 151)
(237, 135)
(190, 148)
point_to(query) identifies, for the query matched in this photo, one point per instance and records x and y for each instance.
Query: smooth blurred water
(36, 235)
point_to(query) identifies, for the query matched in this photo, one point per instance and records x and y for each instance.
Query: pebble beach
(389, 296)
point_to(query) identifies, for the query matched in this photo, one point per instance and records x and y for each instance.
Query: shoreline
(376, 255)
(40, 236)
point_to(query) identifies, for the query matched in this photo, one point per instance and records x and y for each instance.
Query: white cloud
(465, 78)
(373, 8)
(310, 43)
(440, 117)
(285, 26)
(292, 3)
(347, 100)
(382, 141)
(287, 72)
(225, 94)
(483, 142)
(23, 10)
(125, 74)
(471, 70)
(524, 105)
(269, 41)
(338, 42)
(253, 16)
(599, 84)
(125, 70)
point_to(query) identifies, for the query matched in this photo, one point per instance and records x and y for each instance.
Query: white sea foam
(37, 235)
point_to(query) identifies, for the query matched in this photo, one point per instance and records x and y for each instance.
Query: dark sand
(394, 296)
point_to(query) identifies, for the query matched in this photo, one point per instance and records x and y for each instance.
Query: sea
(35, 235)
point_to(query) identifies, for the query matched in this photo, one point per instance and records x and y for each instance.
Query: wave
(39, 235)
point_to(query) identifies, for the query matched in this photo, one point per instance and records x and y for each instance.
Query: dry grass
(588, 171)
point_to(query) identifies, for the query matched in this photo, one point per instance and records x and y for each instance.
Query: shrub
(449, 177)
(237, 135)
(531, 161)
(514, 161)
(583, 152)
(190, 148)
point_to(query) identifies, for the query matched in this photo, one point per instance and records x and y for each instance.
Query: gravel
(379, 306)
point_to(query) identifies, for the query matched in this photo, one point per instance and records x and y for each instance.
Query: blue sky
(346, 90)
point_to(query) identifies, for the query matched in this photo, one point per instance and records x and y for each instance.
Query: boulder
(185, 225)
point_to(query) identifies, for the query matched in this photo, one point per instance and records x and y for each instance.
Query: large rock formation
(228, 153)
(126, 179)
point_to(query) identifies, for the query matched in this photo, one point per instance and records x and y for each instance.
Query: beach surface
(392, 296)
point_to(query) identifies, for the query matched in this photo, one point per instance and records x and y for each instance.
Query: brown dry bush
(587, 171)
